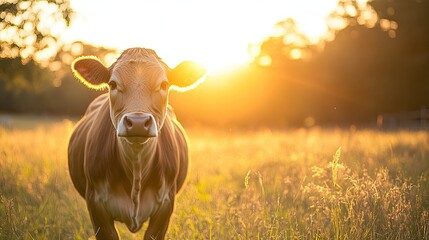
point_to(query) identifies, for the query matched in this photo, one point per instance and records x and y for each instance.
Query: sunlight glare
(218, 34)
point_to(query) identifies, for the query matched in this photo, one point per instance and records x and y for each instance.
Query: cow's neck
(137, 160)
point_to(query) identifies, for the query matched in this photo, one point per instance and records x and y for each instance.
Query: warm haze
(219, 34)
(329, 140)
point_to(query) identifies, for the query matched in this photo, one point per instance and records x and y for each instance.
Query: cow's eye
(164, 86)
(113, 85)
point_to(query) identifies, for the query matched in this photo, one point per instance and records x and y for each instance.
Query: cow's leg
(158, 223)
(102, 222)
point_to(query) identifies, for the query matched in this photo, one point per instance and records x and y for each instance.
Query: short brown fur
(138, 187)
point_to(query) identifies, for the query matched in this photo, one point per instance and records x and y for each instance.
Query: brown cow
(128, 156)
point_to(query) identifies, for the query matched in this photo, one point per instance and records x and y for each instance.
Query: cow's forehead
(132, 71)
(138, 60)
(138, 55)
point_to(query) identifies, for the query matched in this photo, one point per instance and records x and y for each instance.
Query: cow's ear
(91, 72)
(186, 75)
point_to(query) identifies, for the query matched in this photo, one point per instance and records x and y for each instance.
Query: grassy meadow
(261, 184)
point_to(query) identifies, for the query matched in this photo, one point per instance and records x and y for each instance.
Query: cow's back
(76, 148)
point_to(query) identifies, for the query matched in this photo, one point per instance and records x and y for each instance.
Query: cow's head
(139, 83)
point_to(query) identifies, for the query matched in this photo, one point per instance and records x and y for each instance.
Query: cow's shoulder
(172, 150)
(172, 129)
(97, 103)
(85, 124)
(78, 142)
(93, 146)
(101, 156)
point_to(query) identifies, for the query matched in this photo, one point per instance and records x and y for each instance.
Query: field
(261, 184)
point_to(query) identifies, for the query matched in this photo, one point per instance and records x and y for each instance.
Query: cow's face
(139, 83)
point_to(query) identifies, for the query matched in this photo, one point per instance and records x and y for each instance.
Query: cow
(128, 155)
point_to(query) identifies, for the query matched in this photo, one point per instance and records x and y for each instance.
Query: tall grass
(292, 184)
(37, 198)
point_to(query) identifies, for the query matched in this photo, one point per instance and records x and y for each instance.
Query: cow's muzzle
(137, 124)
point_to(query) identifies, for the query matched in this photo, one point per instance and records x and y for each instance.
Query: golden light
(295, 53)
(219, 34)
(265, 60)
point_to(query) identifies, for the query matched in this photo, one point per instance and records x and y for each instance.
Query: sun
(219, 34)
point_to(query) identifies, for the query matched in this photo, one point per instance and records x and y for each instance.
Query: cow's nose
(137, 124)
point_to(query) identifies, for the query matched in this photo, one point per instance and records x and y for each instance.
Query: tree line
(376, 62)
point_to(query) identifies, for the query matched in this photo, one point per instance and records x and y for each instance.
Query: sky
(216, 33)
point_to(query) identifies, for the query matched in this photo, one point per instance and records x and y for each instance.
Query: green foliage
(16, 77)
(31, 88)
(375, 63)
(26, 27)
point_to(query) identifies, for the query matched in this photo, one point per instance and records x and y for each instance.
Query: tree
(31, 88)
(29, 29)
(375, 62)
(60, 64)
